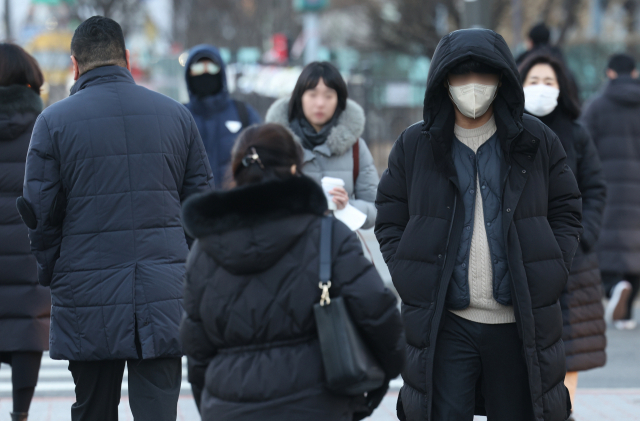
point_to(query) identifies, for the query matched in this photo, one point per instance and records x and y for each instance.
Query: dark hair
(276, 150)
(539, 34)
(473, 66)
(309, 79)
(622, 64)
(17, 67)
(568, 98)
(98, 41)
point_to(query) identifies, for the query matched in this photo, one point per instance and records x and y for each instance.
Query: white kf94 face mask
(540, 100)
(473, 99)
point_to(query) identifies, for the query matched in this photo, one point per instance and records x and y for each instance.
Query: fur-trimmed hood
(342, 137)
(19, 106)
(249, 228)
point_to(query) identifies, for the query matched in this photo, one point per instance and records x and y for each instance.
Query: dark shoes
(19, 416)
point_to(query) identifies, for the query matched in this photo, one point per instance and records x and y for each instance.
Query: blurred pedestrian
(328, 125)
(107, 171)
(478, 221)
(252, 282)
(218, 117)
(548, 96)
(538, 43)
(612, 120)
(25, 305)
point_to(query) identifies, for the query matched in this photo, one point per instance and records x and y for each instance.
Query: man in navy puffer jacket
(107, 171)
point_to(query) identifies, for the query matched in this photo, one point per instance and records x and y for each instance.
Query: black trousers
(154, 388)
(470, 354)
(25, 367)
(611, 279)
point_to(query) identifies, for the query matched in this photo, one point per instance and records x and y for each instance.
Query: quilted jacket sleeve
(198, 176)
(564, 202)
(41, 186)
(372, 306)
(592, 185)
(391, 201)
(366, 185)
(196, 344)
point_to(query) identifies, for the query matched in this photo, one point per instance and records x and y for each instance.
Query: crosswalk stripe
(55, 379)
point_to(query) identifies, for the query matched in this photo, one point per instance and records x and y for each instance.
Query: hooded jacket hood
(485, 46)
(624, 90)
(212, 53)
(247, 229)
(18, 107)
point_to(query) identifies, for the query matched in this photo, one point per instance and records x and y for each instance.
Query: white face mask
(540, 100)
(473, 99)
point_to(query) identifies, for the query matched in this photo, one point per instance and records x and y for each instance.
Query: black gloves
(56, 216)
(26, 213)
(373, 400)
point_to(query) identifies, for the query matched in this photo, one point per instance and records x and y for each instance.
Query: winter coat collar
(342, 137)
(19, 99)
(624, 90)
(19, 106)
(101, 75)
(213, 103)
(247, 206)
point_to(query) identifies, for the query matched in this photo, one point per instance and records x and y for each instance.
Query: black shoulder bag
(349, 366)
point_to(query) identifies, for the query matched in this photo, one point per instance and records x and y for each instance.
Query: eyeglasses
(203, 67)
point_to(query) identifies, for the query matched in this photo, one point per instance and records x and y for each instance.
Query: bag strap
(243, 113)
(325, 259)
(356, 162)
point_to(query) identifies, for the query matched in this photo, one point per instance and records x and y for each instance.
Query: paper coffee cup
(328, 184)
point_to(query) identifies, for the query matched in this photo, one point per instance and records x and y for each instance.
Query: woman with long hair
(328, 125)
(24, 304)
(252, 281)
(550, 97)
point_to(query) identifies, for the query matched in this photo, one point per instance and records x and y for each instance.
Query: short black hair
(622, 64)
(540, 34)
(97, 42)
(309, 79)
(473, 66)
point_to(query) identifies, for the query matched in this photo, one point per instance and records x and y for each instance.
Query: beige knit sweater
(483, 307)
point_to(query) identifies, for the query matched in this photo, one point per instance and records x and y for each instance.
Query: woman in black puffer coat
(549, 96)
(252, 281)
(24, 304)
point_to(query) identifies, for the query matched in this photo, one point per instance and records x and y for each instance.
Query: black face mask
(206, 85)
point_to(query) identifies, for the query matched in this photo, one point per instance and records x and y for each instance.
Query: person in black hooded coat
(420, 226)
(252, 281)
(549, 96)
(612, 119)
(25, 305)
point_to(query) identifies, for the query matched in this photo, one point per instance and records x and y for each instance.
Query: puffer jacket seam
(135, 245)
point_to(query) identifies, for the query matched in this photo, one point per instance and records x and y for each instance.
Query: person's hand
(373, 400)
(340, 197)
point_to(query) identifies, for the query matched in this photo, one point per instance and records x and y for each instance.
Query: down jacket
(252, 281)
(581, 301)
(612, 120)
(421, 217)
(335, 159)
(115, 160)
(25, 305)
(216, 116)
